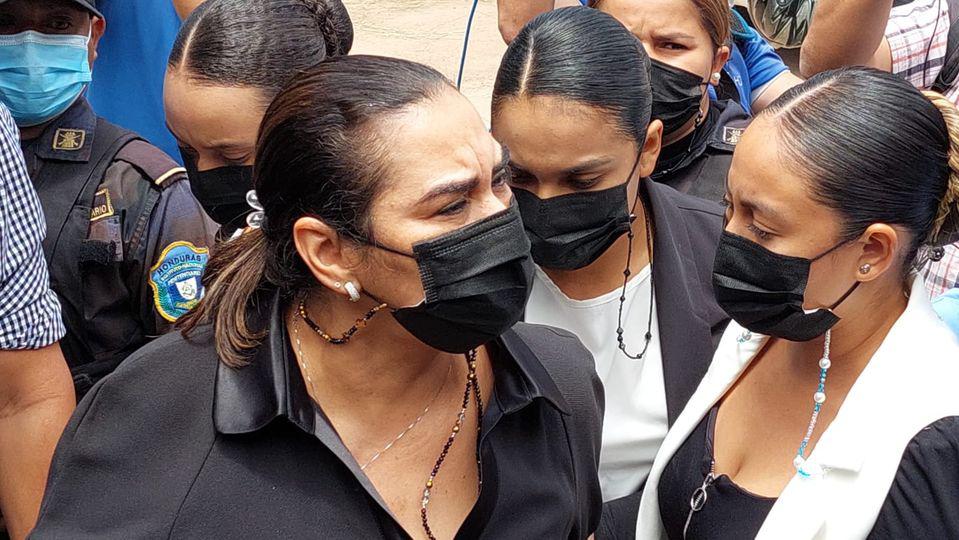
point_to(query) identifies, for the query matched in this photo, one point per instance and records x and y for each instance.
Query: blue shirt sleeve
(762, 62)
(947, 307)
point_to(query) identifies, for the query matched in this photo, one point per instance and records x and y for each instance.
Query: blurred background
(431, 32)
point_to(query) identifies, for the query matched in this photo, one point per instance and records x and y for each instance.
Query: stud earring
(337, 284)
(352, 291)
(717, 76)
(864, 269)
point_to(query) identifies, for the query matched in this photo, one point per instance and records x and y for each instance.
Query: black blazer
(686, 232)
(176, 445)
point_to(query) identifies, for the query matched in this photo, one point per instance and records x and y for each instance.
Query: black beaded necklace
(626, 273)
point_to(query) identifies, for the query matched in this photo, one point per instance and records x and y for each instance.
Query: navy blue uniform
(126, 240)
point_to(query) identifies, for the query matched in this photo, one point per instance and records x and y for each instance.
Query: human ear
(649, 153)
(880, 252)
(325, 254)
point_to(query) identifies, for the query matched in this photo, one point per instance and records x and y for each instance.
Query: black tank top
(725, 510)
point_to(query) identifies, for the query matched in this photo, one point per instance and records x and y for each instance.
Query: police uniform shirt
(698, 163)
(138, 263)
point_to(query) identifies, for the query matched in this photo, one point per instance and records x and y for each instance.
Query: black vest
(82, 271)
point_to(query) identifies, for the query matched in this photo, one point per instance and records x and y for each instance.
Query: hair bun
(335, 25)
(945, 229)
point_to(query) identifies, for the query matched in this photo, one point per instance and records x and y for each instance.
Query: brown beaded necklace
(472, 386)
(345, 338)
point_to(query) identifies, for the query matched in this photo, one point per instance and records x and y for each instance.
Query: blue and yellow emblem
(175, 279)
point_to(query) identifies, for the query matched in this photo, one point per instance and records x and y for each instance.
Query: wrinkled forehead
(433, 141)
(651, 18)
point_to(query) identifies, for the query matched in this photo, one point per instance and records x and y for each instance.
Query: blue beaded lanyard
(818, 399)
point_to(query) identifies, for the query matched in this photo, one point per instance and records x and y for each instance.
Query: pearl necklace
(818, 399)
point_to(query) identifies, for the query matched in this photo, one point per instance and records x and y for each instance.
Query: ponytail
(234, 274)
(945, 229)
(334, 24)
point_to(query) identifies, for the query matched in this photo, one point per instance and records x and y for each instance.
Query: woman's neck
(856, 338)
(381, 367)
(606, 273)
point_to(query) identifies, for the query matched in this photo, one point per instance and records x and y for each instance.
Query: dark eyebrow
(588, 166)
(759, 208)
(672, 36)
(455, 187)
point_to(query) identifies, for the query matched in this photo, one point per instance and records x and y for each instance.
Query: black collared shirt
(175, 444)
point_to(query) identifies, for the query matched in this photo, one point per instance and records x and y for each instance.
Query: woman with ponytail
(830, 409)
(230, 59)
(355, 369)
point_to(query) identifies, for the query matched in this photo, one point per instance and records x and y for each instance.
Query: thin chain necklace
(472, 384)
(412, 424)
(819, 397)
(376, 456)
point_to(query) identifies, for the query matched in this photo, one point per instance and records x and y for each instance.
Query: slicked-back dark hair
(260, 43)
(585, 56)
(875, 150)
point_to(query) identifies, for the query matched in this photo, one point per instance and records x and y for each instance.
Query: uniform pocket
(110, 320)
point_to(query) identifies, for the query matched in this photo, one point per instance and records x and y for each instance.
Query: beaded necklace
(819, 397)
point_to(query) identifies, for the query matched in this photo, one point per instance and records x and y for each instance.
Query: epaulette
(153, 163)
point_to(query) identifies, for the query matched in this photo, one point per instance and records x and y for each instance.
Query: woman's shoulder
(150, 419)
(568, 363)
(925, 491)
(165, 366)
(555, 347)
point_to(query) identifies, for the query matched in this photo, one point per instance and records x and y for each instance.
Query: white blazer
(908, 384)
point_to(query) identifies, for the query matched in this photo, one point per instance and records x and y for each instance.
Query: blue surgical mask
(41, 75)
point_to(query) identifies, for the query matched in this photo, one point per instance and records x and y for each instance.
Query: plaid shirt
(29, 310)
(943, 275)
(917, 34)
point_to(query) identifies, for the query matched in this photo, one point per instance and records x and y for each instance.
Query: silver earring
(337, 284)
(864, 269)
(717, 76)
(352, 291)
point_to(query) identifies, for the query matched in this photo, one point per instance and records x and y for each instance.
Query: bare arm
(185, 7)
(514, 14)
(846, 33)
(777, 87)
(36, 399)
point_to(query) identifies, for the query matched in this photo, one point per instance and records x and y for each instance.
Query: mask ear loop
(626, 273)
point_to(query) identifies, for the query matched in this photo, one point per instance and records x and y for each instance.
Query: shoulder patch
(69, 139)
(175, 279)
(732, 135)
(102, 205)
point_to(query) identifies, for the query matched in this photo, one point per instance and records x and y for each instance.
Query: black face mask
(764, 291)
(677, 95)
(477, 280)
(571, 231)
(221, 191)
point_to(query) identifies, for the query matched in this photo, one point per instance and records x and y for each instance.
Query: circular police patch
(175, 279)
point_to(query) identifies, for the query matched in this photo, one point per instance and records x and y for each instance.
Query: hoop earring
(352, 291)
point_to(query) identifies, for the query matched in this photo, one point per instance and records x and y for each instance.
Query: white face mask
(41, 75)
